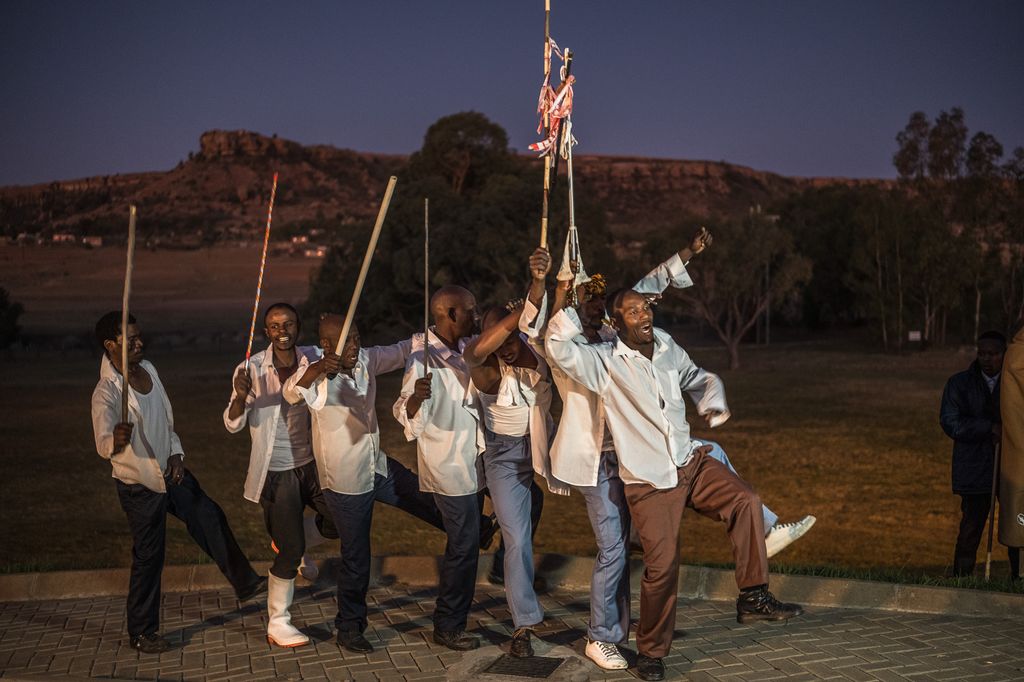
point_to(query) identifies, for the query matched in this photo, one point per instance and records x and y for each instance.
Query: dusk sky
(797, 87)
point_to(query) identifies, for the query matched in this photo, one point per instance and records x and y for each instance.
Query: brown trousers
(709, 488)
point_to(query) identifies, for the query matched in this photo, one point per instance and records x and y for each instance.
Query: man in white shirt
(282, 476)
(439, 409)
(152, 481)
(341, 392)
(514, 387)
(641, 377)
(583, 453)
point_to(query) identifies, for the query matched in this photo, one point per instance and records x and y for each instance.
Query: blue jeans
(353, 515)
(609, 586)
(461, 516)
(508, 468)
(718, 453)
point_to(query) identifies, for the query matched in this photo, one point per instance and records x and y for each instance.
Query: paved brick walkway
(215, 640)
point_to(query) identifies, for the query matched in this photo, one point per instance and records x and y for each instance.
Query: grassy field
(829, 429)
(64, 289)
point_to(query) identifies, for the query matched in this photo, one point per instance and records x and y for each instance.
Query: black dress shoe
(354, 641)
(149, 644)
(650, 668)
(457, 640)
(488, 528)
(257, 588)
(521, 646)
(760, 604)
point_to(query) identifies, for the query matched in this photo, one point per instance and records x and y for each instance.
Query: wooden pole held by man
(132, 215)
(366, 265)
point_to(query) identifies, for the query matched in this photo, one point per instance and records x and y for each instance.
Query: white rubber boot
(280, 630)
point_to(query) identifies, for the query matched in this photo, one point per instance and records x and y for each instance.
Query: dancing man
(282, 476)
(641, 377)
(341, 392)
(439, 410)
(514, 387)
(151, 479)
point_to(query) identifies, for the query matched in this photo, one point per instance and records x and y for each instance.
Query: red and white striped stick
(263, 264)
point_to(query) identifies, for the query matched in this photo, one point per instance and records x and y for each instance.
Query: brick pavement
(214, 639)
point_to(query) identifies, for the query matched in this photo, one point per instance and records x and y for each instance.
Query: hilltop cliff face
(223, 189)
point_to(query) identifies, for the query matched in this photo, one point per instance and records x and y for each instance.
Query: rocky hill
(221, 191)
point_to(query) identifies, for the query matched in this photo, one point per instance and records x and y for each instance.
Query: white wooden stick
(426, 286)
(132, 213)
(366, 265)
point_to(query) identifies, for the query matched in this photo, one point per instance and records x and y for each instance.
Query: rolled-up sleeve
(671, 273)
(707, 391)
(236, 425)
(412, 427)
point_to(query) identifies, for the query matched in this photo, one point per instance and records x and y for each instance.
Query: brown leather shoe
(457, 640)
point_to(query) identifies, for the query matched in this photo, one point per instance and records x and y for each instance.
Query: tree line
(939, 251)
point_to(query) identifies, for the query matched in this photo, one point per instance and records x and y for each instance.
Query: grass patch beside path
(830, 430)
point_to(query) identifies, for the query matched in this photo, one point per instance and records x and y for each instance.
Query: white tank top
(506, 420)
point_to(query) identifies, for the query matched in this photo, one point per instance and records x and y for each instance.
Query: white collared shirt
(346, 435)
(582, 434)
(153, 441)
(643, 399)
(262, 413)
(446, 428)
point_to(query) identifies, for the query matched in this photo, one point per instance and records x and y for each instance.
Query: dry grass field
(851, 437)
(64, 289)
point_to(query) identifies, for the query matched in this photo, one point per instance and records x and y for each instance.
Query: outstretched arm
(672, 273)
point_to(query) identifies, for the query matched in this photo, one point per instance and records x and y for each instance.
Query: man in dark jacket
(970, 416)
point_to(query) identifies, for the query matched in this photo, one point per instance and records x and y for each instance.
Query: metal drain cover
(536, 667)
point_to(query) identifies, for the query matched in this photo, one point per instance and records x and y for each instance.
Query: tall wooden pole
(547, 124)
(132, 214)
(366, 265)
(992, 513)
(426, 286)
(263, 263)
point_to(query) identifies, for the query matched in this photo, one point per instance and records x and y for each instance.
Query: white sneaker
(606, 655)
(782, 535)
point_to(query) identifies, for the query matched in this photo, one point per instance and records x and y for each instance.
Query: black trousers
(353, 516)
(974, 510)
(284, 497)
(461, 515)
(147, 518)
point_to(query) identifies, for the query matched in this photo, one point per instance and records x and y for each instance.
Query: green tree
(482, 230)
(730, 291)
(463, 149)
(911, 158)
